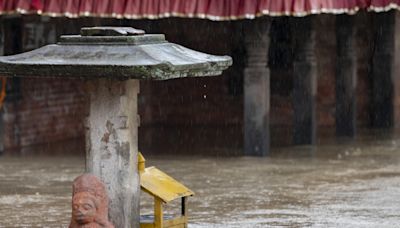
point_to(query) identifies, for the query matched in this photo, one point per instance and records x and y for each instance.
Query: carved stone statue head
(89, 203)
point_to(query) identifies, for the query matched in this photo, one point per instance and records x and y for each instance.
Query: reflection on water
(332, 185)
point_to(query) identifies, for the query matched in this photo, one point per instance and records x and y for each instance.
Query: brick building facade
(196, 114)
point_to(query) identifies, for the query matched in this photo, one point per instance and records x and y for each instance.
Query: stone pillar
(2, 125)
(382, 70)
(304, 80)
(256, 88)
(111, 146)
(346, 76)
(396, 73)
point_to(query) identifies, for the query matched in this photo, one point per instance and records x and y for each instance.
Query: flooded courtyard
(335, 184)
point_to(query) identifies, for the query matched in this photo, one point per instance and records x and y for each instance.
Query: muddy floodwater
(335, 184)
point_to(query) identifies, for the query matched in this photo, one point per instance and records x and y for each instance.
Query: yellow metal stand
(164, 189)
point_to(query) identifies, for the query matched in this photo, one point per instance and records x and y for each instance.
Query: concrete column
(346, 77)
(304, 80)
(256, 88)
(112, 146)
(382, 70)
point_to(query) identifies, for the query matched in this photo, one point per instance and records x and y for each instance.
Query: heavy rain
(199, 113)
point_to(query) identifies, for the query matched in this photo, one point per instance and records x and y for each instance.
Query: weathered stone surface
(110, 31)
(89, 203)
(257, 89)
(111, 152)
(119, 57)
(111, 140)
(304, 81)
(115, 40)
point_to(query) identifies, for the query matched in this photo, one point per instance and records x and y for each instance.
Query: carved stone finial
(89, 203)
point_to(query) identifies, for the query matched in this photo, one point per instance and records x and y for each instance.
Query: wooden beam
(184, 209)
(304, 81)
(256, 88)
(346, 77)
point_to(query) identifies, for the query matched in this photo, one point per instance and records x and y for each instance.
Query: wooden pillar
(346, 77)
(304, 81)
(158, 213)
(256, 88)
(382, 70)
(111, 146)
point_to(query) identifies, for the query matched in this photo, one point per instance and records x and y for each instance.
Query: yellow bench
(164, 189)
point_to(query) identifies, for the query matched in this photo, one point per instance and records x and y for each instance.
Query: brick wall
(281, 76)
(326, 60)
(181, 115)
(39, 111)
(194, 114)
(194, 101)
(206, 103)
(47, 111)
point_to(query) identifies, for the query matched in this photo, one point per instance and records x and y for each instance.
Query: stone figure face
(89, 203)
(84, 208)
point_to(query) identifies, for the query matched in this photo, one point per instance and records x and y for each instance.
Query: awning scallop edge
(217, 10)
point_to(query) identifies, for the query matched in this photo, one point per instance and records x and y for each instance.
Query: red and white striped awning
(206, 9)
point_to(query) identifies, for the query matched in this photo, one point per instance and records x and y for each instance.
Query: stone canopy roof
(113, 52)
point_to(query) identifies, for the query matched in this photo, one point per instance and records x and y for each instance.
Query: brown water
(332, 185)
